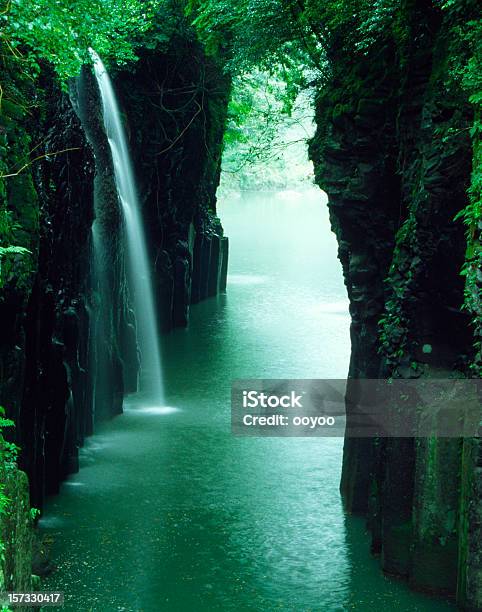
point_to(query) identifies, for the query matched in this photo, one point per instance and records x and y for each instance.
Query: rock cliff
(68, 350)
(394, 153)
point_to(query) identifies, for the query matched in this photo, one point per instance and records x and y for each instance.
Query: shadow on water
(170, 511)
(365, 577)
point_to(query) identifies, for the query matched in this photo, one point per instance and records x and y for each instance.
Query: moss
(396, 551)
(472, 216)
(339, 110)
(434, 568)
(395, 138)
(19, 204)
(16, 534)
(11, 111)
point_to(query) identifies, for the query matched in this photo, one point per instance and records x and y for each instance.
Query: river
(169, 511)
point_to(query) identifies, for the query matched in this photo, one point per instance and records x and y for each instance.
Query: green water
(170, 512)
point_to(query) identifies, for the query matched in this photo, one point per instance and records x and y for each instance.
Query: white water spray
(136, 244)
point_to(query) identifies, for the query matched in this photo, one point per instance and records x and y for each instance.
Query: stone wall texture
(393, 152)
(68, 348)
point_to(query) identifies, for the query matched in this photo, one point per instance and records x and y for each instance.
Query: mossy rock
(16, 535)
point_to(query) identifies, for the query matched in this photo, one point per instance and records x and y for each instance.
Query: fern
(13, 250)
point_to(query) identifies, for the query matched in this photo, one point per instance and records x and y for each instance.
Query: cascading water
(148, 337)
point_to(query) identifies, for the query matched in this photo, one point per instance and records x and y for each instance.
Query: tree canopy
(285, 35)
(61, 31)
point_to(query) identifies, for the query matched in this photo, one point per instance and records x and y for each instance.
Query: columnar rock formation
(393, 152)
(176, 104)
(68, 345)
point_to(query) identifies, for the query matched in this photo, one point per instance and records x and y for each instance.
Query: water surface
(170, 511)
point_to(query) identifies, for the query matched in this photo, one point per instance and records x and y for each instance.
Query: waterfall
(148, 336)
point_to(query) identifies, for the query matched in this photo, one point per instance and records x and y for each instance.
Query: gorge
(169, 510)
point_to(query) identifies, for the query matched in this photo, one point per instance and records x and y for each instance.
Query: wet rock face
(16, 535)
(175, 105)
(68, 348)
(113, 345)
(56, 411)
(393, 153)
(44, 352)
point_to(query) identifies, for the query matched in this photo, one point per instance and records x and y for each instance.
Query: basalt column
(114, 345)
(354, 152)
(46, 305)
(393, 152)
(175, 103)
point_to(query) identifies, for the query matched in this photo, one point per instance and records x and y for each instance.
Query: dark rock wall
(175, 105)
(18, 201)
(54, 415)
(113, 345)
(393, 152)
(16, 534)
(43, 303)
(68, 350)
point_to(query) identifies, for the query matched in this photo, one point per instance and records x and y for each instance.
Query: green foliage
(258, 103)
(285, 32)
(266, 136)
(262, 33)
(272, 56)
(472, 218)
(8, 459)
(34, 513)
(466, 72)
(61, 31)
(8, 466)
(16, 200)
(14, 260)
(12, 267)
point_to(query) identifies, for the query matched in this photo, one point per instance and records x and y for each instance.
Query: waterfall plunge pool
(176, 514)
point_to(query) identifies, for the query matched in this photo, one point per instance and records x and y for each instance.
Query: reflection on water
(246, 279)
(178, 515)
(155, 410)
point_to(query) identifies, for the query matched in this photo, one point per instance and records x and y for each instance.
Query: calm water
(170, 512)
